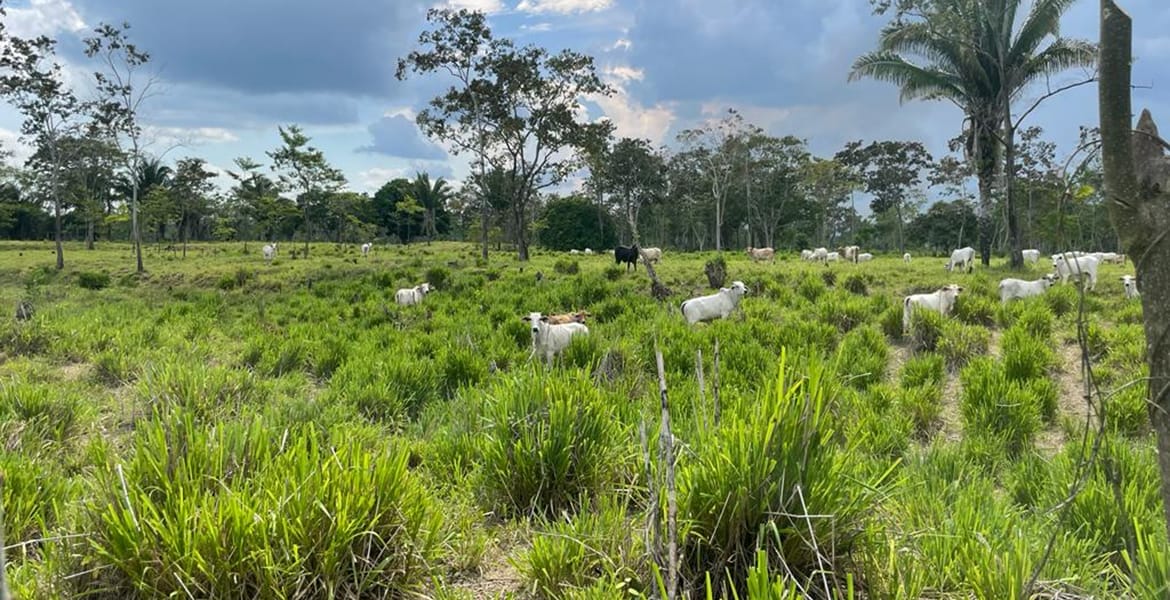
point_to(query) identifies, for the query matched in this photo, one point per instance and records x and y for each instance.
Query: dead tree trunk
(1137, 186)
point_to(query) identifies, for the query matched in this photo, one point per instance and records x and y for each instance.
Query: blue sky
(232, 71)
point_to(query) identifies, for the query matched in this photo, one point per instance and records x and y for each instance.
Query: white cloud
(189, 136)
(10, 142)
(563, 7)
(621, 44)
(44, 17)
(624, 73)
(486, 6)
(537, 27)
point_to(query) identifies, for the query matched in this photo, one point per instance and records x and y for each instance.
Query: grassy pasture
(227, 428)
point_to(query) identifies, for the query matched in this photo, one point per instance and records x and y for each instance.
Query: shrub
(829, 277)
(438, 277)
(716, 272)
(811, 288)
(960, 343)
(736, 491)
(923, 405)
(855, 283)
(1025, 357)
(33, 494)
(1062, 299)
(92, 280)
(998, 409)
(231, 281)
(548, 445)
(891, 322)
(614, 273)
(565, 266)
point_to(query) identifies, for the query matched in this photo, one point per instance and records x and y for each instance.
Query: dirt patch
(951, 415)
(1071, 400)
(75, 371)
(497, 577)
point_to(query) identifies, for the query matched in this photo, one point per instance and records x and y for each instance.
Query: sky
(230, 72)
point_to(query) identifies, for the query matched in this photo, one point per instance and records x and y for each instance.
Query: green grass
(224, 427)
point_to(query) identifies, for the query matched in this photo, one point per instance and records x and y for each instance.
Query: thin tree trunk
(89, 227)
(308, 229)
(1137, 177)
(1015, 244)
(57, 230)
(134, 230)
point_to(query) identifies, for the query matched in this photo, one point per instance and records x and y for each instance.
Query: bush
(975, 310)
(91, 280)
(856, 284)
(1002, 411)
(716, 272)
(614, 273)
(582, 550)
(891, 322)
(960, 343)
(565, 266)
(829, 277)
(923, 370)
(1062, 299)
(575, 222)
(1025, 357)
(438, 277)
(231, 281)
(548, 445)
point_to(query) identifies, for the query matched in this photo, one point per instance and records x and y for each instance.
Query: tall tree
(828, 183)
(719, 150)
(191, 188)
(91, 178)
(517, 109)
(975, 54)
(122, 89)
(889, 171)
(34, 84)
(635, 175)
(1137, 180)
(303, 171)
(433, 196)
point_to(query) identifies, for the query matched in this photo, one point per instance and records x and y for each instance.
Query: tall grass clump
(549, 444)
(34, 414)
(998, 409)
(975, 310)
(749, 481)
(92, 280)
(1026, 356)
(244, 511)
(34, 494)
(862, 357)
(926, 329)
(960, 343)
(204, 390)
(923, 370)
(579, 551)
(388, 390)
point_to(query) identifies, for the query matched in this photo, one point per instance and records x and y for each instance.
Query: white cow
(588, 251)
(715, 306)
(941, 301)
(366, 247)
(269, 251)
(1010, 289)
(864, 257)
(1129, 282)
(833, 257)
(806, 255)
(1031, 255)
(412, 296)
(820, 255)
(850, 252)
(548, 339)
(574, 251)
(963, 258)
(1067, 266)
(906, 258)
(758, 254)
(652, 254)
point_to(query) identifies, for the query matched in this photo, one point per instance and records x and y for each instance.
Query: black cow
(621, 254)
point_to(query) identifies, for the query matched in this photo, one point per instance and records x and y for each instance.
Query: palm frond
(915, 81)
(1061, 55)
(1043, 21)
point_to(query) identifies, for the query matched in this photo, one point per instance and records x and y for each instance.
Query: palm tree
(152, 173)
(432, 196)
(972, 53)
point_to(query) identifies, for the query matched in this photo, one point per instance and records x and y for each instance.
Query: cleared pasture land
(228, 428)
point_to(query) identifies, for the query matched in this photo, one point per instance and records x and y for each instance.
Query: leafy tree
(517, 109)
(575, 222)
(944, 226)
(718, 150)
(91, 177)
(635, 175)
(433, 196)
(772, 183)
(122, 90)
(397, 211)
(303, 170)
(259, 201)
(975, 54)
(191, 189)
(827, 183)
(889, 171)
(34, 84)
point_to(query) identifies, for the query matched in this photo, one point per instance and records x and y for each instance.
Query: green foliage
(34, 497)
(960, 343)
(437, 277)
(856, 283)
(927, 370)
(573, 222)
(548, 446)
(926, 329)
(222, 511)
(578, 551)
(1000, 410)
(92, 280)
(861, 357)
(975, 310)
(565, 266)
(736, 494)
(1127, 412)
(1062, 299)
(891, 322)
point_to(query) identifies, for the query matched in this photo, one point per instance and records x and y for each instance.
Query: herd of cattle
(552, 333)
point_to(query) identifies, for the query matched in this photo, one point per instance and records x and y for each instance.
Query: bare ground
(496, 578)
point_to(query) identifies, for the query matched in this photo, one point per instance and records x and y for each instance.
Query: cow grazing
(366, 247)
(1129, 284)
(806, 255)
(561, 319)
(622, 254)
(820, 255)
(941, 301)
(269, 251)
(652, 254)
(758, 254)
(1010, 289)
(412, 296)
(548, 339)
(849, 252)
(832, 257)
(963, 258)
(864, 257)
(715, 306)
(1031, 255)
(906, 258)
(1067, 266)
(588, 251)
